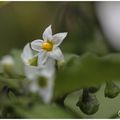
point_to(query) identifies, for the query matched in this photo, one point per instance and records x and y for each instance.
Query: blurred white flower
(7, 63)
(48, 47)
(30, 62)
(44, 83)
(108, 14)
(7, 60)
(42, 77)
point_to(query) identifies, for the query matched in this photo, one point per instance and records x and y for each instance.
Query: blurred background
(91, 26)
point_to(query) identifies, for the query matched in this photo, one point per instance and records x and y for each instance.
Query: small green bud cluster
(88, 102)
(111, 90)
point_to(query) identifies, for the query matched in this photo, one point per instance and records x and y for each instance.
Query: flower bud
(88, 103)
(7, 64)
(94, 89)
(60, 64)
(111, 90)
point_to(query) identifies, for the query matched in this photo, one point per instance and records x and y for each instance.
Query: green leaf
(3, 3)
(108, 107)
(94, 89)
(86, 71)
(44, 111)
(10, 82)
(18, 61)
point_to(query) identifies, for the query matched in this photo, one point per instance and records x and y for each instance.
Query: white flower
(31, 71)
(49, 46)
(7, 62)
(44, 84)
(42, 77)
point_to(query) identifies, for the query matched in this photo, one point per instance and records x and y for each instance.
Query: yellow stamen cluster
(48, 46)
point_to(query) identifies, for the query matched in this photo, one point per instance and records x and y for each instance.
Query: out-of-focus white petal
(48, 72)
(7, 60)
(7, 64)
(47, 93)
(47, 34)
(33, 87)
(49, 69)
(32, 72)
(58, 38)
(27, 53)
(36, 45)
(42, 57)
(57, 54)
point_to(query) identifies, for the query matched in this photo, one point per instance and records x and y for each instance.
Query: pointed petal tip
(50, 25)
(66, 33)
(57, 54)
(47, 34)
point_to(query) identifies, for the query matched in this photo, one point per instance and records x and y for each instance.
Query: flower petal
(36, 45)
(47, 93)
(58, 38)
(48, 72)
(33, 86)
(7, 60)
(47, 34)
(31, 72)
(57, 54)
(49, 68)
(42, 57)
(27, 53)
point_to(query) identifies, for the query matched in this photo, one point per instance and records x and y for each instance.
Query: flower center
(48, 46)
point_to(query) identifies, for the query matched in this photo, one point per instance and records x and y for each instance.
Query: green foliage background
(22, 22)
